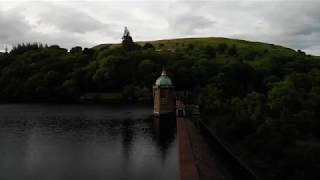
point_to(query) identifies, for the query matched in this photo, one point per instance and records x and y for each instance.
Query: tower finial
(164, 73)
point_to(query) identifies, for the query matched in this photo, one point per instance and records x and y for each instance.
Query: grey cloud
(190, 24)
(297, 23)
(12, 26)
(63, 17)
(73, 26)
(293, 18)
(15, 29)
(69, 19)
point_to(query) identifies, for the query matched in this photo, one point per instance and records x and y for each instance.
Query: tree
(222, 47)
(127, 41)
(233, 51)
(76, 49)
(148, 46)
(126, 35)
(210, 51)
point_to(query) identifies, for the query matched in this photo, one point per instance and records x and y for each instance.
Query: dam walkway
(202, 156)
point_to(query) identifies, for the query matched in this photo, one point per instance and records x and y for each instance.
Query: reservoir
(96, 142)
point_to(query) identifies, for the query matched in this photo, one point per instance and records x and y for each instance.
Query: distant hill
(242, 45)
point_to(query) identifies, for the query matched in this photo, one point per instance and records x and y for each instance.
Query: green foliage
(148, 46)
(233, 51)
(222, 47)
(127, 41)
(33, 72)
(210, 51)
(76, 50)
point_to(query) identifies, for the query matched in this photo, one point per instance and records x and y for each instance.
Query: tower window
(163, 94)
(164, 101)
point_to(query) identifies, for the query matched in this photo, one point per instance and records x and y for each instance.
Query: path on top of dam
(201, 157)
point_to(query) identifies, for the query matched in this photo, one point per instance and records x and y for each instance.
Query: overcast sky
(292, 23)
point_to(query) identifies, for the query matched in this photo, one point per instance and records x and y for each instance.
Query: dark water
(66, 142)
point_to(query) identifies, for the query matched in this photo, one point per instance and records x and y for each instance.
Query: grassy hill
(242, 45)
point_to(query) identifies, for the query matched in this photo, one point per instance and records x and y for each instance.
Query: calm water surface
(66, 142)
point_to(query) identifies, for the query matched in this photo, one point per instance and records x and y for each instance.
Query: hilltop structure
(164, 96)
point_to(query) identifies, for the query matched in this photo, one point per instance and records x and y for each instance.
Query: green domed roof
(164, 80)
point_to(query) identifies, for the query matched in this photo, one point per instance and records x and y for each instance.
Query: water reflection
(85, 142)
(128, 136)
(164, 133)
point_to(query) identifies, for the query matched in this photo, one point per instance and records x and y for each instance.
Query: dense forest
(263, 100)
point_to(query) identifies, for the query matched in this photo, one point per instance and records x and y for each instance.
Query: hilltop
(242, 45)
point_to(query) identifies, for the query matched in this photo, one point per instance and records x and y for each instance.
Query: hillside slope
(242, 45)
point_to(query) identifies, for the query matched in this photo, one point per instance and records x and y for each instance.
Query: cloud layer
(295, 24)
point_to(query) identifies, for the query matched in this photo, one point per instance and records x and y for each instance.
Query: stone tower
(164, 96)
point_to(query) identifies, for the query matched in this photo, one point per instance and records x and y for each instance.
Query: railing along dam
(202, 156)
